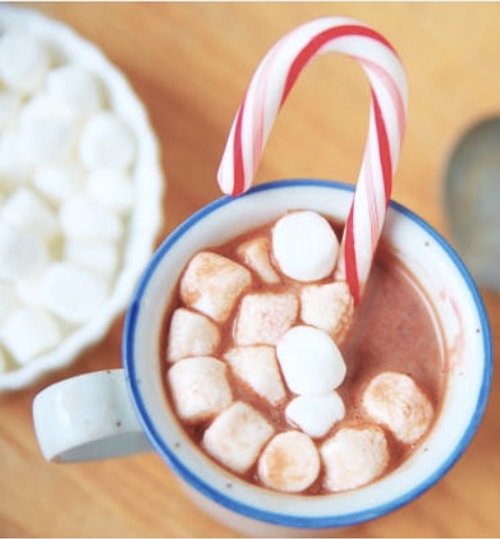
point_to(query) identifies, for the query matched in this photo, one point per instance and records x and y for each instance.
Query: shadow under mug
(112, 413)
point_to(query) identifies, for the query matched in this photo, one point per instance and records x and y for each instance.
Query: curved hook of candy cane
(266, 94)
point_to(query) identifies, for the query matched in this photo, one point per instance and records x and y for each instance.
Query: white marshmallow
(106, 142)
(315, 414)
(213, 283)
(83, 218)
(236, 437)
(22, 255)
(257, 366)
(28, 290)
(255, 253)
(394, 400)
(72, 293)
(24, 61)
(112, 189)
(76, 88)
(14, 163)
(310, 361)
(329, 307)
(28, 332)
(26, 210)
(191, 334)
(101, 256)
(10, 105)
(9, 301)
(305, 246)
(199, 388)
(59, 181)
(290, 462)
(353, 457)
(263, 318)
(47, 130)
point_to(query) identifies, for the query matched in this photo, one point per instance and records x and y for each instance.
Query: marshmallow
(236, 437)
(24, 61)
(75, 88)
(100, 256)
(263, 318)
(14, 164)
(329, 307)
(106, 142)
(28, 332)
(199, 388)
(8, 301)
(10, 105)
(59, 181)
(394, 400)
(22, 255)
(315, 414)
(72, 293)
(28, 290)
(310, 361)
(290, 462)
(191, 334)
(112, 189)
(254, 253)
(257, 366)
(85, 219)
(353, 457)
(47, 130)
(305, 246)
(213, 283)
(25, 210)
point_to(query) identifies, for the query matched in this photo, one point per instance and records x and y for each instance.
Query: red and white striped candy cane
(266, 94)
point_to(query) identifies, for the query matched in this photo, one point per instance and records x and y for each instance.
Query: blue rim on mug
(168, 453)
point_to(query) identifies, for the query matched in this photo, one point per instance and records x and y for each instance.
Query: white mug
(112, 413)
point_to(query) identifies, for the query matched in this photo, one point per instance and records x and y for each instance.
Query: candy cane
(266, 94)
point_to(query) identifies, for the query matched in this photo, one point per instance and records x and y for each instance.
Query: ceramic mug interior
(454, 300)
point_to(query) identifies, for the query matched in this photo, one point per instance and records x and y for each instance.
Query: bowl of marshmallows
(81, 190)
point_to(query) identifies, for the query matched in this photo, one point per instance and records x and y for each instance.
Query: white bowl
(144, 219)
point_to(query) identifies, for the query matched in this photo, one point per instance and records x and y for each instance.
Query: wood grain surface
(190, 64)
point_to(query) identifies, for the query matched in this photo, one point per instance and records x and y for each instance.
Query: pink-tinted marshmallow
(264, 318)
(236, 437)
(213, 283)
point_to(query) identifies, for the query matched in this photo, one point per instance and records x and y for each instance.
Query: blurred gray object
(472, 200)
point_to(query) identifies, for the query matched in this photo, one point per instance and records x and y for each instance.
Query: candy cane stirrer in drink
(268, 90)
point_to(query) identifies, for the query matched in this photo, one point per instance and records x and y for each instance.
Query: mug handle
(87, 417)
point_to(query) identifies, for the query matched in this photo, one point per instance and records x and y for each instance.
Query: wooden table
(190, 63)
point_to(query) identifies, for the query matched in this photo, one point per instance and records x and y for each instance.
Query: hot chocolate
(277, 377)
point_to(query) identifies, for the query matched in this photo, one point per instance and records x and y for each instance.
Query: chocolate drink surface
(248, 403)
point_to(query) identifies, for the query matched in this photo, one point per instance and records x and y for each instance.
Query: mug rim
(285, 519)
